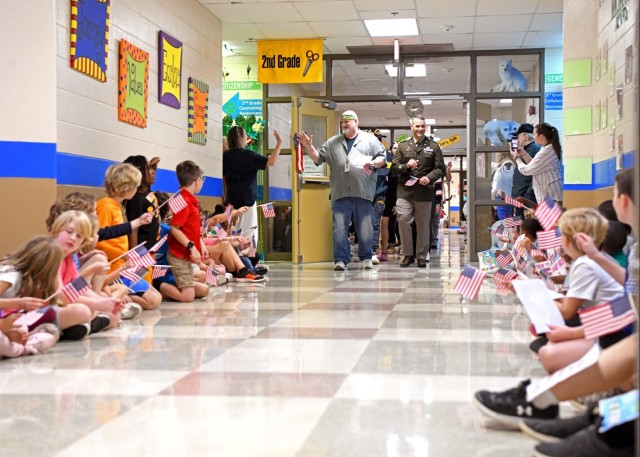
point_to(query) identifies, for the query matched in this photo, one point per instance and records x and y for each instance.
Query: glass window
(437, 75)
(279, 118)
(498, 119)
(316, 126)
(509, 73)
(368, 76)
(483, 221)
(278, 230)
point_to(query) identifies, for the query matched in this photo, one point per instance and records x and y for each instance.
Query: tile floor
(314, 363)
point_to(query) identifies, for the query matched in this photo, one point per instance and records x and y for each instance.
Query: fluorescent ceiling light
(426, 101)
(411, 71)
(430, 121)
(391, 27)
(505, 101)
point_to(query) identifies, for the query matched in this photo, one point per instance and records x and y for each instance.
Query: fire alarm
(532, 110)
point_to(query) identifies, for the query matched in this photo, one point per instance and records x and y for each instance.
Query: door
(312, 216)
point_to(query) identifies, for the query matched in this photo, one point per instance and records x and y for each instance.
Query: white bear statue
(500, 132)
(512, 79)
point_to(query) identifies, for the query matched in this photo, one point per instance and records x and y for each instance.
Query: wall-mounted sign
(449, 141)
(198, 111)
(169, 69)
(553, 101)
(242, 98)
(133, 84)
(290, 61)
(553, 78)
(90, 37)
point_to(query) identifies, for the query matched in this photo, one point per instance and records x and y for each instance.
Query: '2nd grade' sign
(289, 61)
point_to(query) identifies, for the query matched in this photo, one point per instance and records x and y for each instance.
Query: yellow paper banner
(449, 141)
(289, 61)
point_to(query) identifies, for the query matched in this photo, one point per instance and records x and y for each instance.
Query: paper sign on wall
(133, 84)
(198, 111)
(289, 61)
(90, 37)
(169, 69)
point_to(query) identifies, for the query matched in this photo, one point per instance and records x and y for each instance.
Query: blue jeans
(362, 212)
(378, 209)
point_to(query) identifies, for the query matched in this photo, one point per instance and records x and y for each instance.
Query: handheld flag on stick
(74, 289)
(268, 210)
(134, 274)
(549, 239)
(504, 259)
(469, 282)
(177, 203)
(607, 318)
(159, 244)
(220, 232)
(512, 201)
(548, 213)
(411, 181)
(367, 169)
(503, 277)
(158, 271)
(211, 277)
(140, 257)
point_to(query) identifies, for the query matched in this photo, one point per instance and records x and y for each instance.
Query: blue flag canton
(619, 306)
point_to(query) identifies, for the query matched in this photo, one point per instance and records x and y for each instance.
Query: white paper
(535, 298)
(536, 388)
(554, 295)
(358, 160)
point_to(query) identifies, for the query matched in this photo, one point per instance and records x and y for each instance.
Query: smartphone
(514, 144)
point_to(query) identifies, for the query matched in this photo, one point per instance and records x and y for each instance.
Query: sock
(545, 400)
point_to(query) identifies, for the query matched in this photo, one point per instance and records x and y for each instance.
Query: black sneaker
(99, 323)
(585, 443)
(550, 430)
(75, 332)
(261, 270)
(511, 406)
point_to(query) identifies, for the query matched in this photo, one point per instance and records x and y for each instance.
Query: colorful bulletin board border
(198, 111)
(169, 69)
(133, 84)
(90, 37)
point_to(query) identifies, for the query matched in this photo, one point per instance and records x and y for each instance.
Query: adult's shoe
(408, 260)
(367, 264)
(422, 263)
(511, 406)
(375, 260)
(585, 443)
(339, 266)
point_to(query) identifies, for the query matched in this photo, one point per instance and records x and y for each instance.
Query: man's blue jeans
(362, 212)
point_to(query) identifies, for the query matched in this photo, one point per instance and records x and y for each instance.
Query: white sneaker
(42, 339)
(367, 264)
(339, 266)
(375, 260)
(130, 311)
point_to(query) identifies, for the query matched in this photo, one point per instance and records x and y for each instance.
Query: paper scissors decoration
(311, 57)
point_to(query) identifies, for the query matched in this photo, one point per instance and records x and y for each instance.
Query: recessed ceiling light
(411, 71)
(505, 101)
(391, 27)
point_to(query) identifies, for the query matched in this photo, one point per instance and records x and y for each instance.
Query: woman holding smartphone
(545, 166)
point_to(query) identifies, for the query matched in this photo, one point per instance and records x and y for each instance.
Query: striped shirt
(545, 170)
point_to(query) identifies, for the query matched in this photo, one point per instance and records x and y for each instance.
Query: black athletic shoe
(75, 332)
(550, 430)
(537, 344)
(511, 406)
(99, 323)
(585, 443)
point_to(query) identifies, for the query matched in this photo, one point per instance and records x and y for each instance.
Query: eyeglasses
(203, 177)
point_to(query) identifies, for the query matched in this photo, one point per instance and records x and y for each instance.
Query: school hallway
(312, 363)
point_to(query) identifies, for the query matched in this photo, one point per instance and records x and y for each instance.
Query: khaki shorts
(182, 271)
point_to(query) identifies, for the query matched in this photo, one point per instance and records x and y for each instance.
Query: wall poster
(169, 70)
(133, 84)
(89, 47)
(198, 111)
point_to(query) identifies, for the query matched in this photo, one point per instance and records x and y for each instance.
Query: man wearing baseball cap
(353, 157)
(523, 185)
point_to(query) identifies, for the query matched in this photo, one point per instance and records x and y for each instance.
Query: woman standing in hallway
(545, 166)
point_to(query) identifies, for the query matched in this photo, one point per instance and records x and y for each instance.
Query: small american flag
(519, 246)
(503, 277)
(607, 318)
(521, 261)
(548, 213)
(211, 277)
(513, 221)
(34, 316)
(158, 271)
(140, 257)
(367, 169)
(299, 154)
(512, 201)
(75, 289)
(159, 244)
(268, 210)
(535, 252)
(500, 230)
(504, 258)
(411, 181)
(134, 274)
(469, 282)
(177, 203)
(221, 233)
(549, 239)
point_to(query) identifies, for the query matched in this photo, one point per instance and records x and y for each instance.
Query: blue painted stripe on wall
(27, 160)
(279, 193)
(603, 173)
(454, 208)
(74, 170)
(628, 159)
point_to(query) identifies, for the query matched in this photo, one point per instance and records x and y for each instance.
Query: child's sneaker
(221, 279)
(383, 257)
(42, 338)
(100, 323)
(261, 269)
(130, 311)
(245, 275)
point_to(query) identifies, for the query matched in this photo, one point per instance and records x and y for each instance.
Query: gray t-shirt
(352, 183)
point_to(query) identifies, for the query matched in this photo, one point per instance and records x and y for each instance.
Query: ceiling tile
(240, 32)
(401, 14)
(551, 21)
(275, 12)
(550, 6)
(497, 40)
(548, 39)
(505, 7)
(460, 41)
(460, 25)
(383, 5)
(514, 23)
(339, 29)
(339, 45)
(228, 13)
(439, 8)
(327, 11)
(284, 30)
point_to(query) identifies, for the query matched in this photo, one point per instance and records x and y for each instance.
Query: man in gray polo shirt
(353, 157)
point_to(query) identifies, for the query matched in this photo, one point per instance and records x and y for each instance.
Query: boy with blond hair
(185, 244)
(121, 183)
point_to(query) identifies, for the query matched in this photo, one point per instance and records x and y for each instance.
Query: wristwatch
(190, 244)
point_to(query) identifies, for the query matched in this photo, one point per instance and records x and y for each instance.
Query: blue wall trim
(27, 160)
(454, 208)
(74, 170)
(279, 193)
(603, 173)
